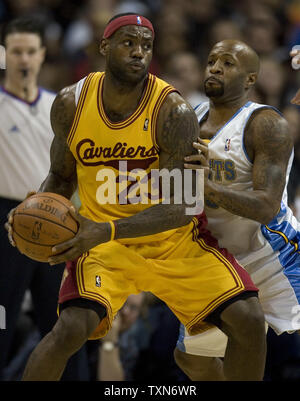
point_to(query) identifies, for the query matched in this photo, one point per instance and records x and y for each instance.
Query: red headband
(127, 20)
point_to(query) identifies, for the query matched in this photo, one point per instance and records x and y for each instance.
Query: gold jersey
(116, 160)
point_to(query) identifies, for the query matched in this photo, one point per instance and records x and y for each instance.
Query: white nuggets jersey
(26, 136)
(270, 253)
(248, 240)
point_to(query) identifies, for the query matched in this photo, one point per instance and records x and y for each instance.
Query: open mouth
(24, 72)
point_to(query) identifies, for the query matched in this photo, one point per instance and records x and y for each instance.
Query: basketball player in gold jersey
(128, 115)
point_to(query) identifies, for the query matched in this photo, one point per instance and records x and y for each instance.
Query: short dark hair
(24, 25)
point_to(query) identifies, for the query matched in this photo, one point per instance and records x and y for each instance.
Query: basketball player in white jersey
(247, 163)
(25, 139)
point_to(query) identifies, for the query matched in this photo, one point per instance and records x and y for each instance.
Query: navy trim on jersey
(3, 90)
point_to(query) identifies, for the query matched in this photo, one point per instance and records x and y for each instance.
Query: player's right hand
(90, 234)
(9, 224)
(199, 161)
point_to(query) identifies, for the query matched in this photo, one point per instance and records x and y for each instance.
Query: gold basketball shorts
(188, 271)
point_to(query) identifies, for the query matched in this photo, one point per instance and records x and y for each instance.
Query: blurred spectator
(201, 17)
(82, 38)
(156, 360)
(183, 71)
(119, 349)
(170, 30)
(225, 29)
(139, 7)
(270, 82)
(141, 343)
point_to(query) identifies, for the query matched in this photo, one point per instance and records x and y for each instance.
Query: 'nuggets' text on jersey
(222, 170)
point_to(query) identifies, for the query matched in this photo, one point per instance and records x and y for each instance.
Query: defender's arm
(269, 144)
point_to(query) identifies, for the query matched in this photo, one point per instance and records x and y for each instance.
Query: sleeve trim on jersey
(79, 108)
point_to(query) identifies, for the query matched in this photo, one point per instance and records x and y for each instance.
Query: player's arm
(268, 143)
(62, 174)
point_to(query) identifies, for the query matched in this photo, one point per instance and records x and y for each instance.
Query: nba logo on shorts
(227, 145)
(139, 20)
(98, 281)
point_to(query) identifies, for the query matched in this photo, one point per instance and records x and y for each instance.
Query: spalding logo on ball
(40, 222)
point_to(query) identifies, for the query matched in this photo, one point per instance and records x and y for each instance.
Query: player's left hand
(89, 235)
(201, 158)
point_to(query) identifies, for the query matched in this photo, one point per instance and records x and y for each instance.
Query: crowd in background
(184, 33)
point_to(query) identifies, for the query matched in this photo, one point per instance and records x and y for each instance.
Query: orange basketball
(41, 222)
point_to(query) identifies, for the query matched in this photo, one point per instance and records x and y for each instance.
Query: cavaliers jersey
(230, 166)
(26, 137)
(115, 159)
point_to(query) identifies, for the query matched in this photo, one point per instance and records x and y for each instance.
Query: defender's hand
(201, 158)
(89, 235)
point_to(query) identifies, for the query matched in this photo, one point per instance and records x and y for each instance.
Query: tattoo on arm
(272, 144)
(179, 131)
(62, 175)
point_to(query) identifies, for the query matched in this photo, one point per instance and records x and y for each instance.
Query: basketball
(41, 222)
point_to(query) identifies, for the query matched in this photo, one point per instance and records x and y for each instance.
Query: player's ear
(251, 79)
(104, 45)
